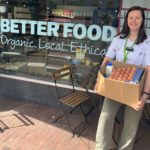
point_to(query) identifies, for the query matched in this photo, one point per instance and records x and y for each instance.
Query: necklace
(127, 50)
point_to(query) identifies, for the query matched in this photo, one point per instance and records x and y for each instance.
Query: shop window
(89, 25)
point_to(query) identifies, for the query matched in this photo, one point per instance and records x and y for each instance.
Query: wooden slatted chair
(73, 99)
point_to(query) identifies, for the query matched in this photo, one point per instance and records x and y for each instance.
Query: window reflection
(55, 52)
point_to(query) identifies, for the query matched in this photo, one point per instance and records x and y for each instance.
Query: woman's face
(134, 20)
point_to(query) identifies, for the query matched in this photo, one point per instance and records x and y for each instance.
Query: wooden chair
(74, 98)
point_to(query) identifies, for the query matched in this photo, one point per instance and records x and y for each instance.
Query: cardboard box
(123, 92)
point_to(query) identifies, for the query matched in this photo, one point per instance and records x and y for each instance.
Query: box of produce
(124, 84)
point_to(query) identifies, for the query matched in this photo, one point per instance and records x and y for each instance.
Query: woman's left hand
(139, 105)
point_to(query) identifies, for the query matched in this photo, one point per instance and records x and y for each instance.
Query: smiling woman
(132, 35)
(135, 20)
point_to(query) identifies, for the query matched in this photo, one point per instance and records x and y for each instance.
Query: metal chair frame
(74, 99)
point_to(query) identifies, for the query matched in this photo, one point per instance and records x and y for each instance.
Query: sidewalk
(28, 126)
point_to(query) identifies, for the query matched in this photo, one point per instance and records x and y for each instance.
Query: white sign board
(130, 3)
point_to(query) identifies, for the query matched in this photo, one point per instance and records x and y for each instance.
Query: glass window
(40, 36)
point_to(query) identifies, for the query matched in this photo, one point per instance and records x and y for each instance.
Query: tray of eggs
(129, 74)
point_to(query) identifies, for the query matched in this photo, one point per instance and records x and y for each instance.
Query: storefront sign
(43, 28)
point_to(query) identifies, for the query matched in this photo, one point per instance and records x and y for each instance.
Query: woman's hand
(139, 105)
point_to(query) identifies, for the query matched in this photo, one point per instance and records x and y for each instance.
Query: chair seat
(75, 98)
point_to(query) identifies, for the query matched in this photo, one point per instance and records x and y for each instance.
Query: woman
(131, 46)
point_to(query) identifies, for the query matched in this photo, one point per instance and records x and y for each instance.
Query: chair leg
(69, 125)
(82, 123)
(55, 120)
(74, 131)
(83, 113)
(67, 119)
(93, 103)
(73, 109)
(81, 130)
(64, 115)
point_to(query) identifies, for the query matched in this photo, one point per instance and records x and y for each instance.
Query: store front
(38, 37)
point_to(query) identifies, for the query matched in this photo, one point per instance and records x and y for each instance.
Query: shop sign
(91, 50)
(43, 28)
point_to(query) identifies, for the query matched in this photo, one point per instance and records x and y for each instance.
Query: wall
(29, 91)
(130, 3)
(42, 93)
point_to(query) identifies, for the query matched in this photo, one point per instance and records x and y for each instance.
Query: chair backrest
(90, 79)
(61, 74)
(87, 83)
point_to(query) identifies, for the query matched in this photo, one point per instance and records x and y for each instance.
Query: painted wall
(35, 92)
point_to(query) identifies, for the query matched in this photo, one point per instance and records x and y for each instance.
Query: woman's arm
(146, 89)
(106, 59)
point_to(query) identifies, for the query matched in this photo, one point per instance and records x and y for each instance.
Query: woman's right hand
(140, 104)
